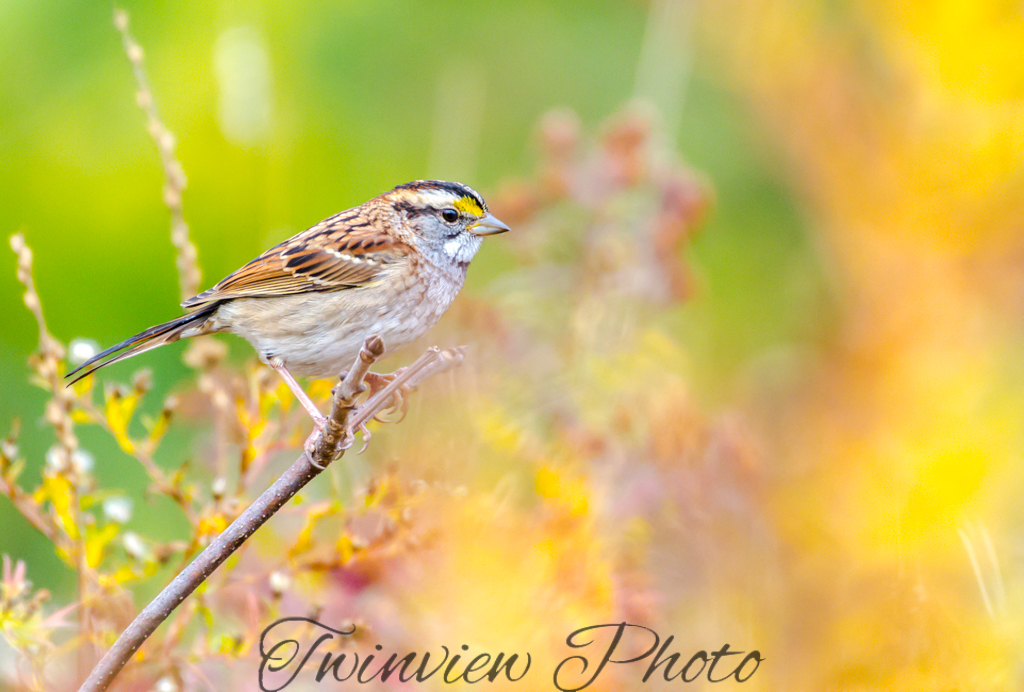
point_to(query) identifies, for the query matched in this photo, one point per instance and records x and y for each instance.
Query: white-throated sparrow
(390, 267)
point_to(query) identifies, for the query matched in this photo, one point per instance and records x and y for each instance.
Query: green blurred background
(355, 98)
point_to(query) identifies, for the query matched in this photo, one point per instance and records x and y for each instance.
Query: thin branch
(186, 257)
(329, 444)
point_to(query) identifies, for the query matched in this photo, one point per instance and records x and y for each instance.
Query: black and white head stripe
(437, 194)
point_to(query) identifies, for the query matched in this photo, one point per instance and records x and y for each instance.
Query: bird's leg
(318, 418)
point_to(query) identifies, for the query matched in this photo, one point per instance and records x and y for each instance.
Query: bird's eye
(449, 215)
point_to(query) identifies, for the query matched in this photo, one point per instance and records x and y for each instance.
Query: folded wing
(345, 251)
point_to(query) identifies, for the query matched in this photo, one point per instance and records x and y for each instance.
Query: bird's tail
(159, 335)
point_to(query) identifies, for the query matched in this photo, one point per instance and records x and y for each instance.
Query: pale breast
(320, 334)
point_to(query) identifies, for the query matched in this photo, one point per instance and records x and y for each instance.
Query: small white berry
(166, 684)
(134, 545)
(81, 350)
(118, 509)
(279, 582)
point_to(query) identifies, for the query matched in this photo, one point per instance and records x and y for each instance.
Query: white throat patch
(461, 248)
(452, 248)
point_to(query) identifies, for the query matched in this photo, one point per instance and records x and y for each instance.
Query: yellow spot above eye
(468, 205)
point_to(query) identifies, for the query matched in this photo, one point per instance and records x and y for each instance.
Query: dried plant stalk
(47, 364)
(186, 257)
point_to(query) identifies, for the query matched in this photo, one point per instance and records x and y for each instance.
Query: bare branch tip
(374, 346)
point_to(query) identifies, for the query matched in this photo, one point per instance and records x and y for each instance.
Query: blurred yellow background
(813, 448)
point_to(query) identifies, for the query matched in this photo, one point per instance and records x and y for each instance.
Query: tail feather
(159, 335)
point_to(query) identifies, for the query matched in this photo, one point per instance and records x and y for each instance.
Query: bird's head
(445, 218)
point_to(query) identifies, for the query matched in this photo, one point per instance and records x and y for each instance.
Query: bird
(390, 266)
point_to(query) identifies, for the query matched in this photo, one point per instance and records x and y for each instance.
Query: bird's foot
(398, 400)
(319, 421)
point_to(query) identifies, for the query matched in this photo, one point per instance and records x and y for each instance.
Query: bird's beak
(488, 225)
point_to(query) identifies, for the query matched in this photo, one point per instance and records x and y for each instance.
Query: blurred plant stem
(47, 363)
(189, 276)
(664, 67)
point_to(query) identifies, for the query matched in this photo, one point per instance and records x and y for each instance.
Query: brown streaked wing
(343, 252)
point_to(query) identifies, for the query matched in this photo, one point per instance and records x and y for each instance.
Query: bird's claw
(376, 382)
(349, 440)
(310, 443)
(310, 447)
(398, 401)
(367, 436)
